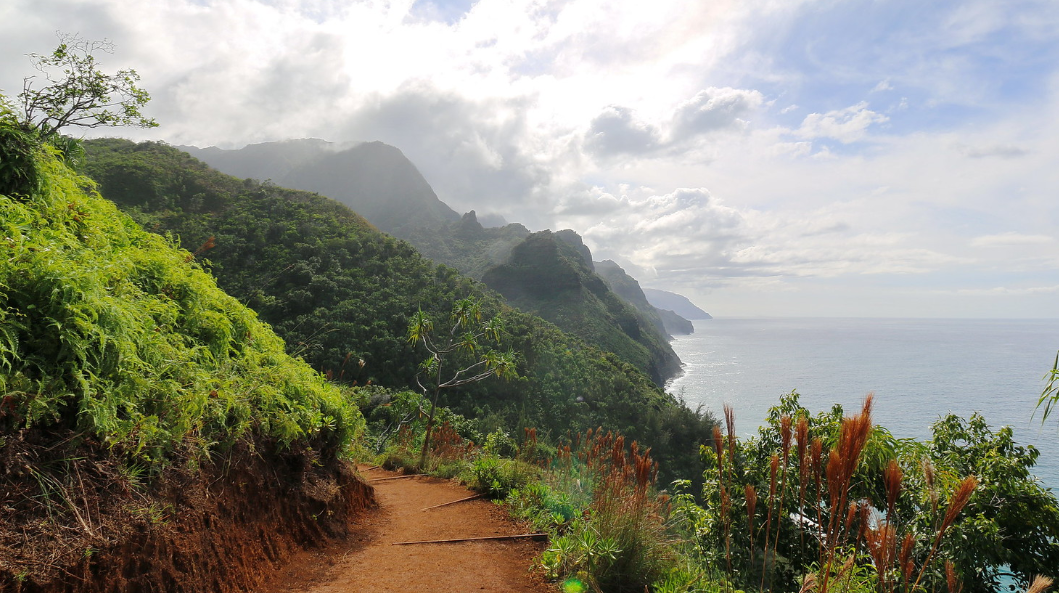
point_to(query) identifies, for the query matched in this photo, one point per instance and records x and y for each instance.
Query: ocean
(918, 369)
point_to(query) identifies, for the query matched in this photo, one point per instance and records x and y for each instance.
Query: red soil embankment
(73, 521)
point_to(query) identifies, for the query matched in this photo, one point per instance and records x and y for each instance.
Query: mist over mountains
(550, 274)
(374, 179)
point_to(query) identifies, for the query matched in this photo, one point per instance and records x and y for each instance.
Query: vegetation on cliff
(133, 391)
(342, 294)
(552, 278)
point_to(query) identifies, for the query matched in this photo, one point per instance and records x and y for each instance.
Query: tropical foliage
(77, 93)
(342, 295)
(819, 496)
(444, 368)
(115, 332)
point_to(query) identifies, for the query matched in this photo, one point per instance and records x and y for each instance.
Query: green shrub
(110, 330)
(499, 477)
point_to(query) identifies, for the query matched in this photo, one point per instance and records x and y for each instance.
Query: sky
(874, 158)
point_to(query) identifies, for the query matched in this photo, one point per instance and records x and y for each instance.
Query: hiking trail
(369, 561)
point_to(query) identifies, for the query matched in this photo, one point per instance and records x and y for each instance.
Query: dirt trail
(373, 563)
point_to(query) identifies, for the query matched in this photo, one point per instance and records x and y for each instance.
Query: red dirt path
(371, 563)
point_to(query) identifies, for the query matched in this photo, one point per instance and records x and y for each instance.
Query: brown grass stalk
(751, 508)
(773, 470)
(1040, 584)
(882, 545)
(959, 500)
(785, 449)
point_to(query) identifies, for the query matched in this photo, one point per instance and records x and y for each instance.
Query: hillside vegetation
(550, 277)
(133, 389)
(378, 182)
(340, 292)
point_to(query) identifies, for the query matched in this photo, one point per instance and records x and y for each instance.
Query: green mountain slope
(467, 245)
(681, 305)
(114, 331)
(378, 182)
(552, 278)
(339, 291)
(374, 179)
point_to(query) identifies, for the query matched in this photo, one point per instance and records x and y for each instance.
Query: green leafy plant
(115, 332)
(466, 334)
(1050, 395)
(77, 93)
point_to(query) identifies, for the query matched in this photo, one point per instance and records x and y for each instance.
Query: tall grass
(829, 524)
(620, 542)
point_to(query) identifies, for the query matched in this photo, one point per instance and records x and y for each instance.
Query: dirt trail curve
(372, 563)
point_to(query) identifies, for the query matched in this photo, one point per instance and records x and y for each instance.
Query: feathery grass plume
(751, 508)
(802, 435)
(729, 424)
(785, 449)
(808, 583)
(834, 494)
(841, 465)
(882, 544)
(621, 541)
(774, 466)
(1040, 584)
(892, 478)
(816, 451)
(959, 500)
(718, 448)
(953, 582)
(932, 489)
(904, 560)
(851, 513)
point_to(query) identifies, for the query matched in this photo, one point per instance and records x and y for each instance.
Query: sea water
(918, 369)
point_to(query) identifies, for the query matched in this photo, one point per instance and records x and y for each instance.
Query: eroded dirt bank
(73, 519)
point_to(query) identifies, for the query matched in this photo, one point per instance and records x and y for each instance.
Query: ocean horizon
(919, 369)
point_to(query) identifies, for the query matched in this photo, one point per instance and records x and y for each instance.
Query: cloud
(715, 109)
(1005, 151)
(845, 125)
(1011, 239)
(1005, 291)
(884, 85)
(475, 153)
(615, 131)
(593, 115)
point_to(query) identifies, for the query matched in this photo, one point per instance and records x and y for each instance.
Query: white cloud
(1011, 239)
(845, 125)
(1005, 291)
(884, 85)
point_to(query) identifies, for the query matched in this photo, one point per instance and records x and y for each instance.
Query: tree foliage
(444, 368)
(77, 93)
(966, 497)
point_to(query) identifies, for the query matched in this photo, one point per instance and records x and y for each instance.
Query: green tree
(77, 93)
(444, 367)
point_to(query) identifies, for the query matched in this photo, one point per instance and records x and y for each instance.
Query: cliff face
(547, 275)
(625, 286)
(679, 304)
(373, 179)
